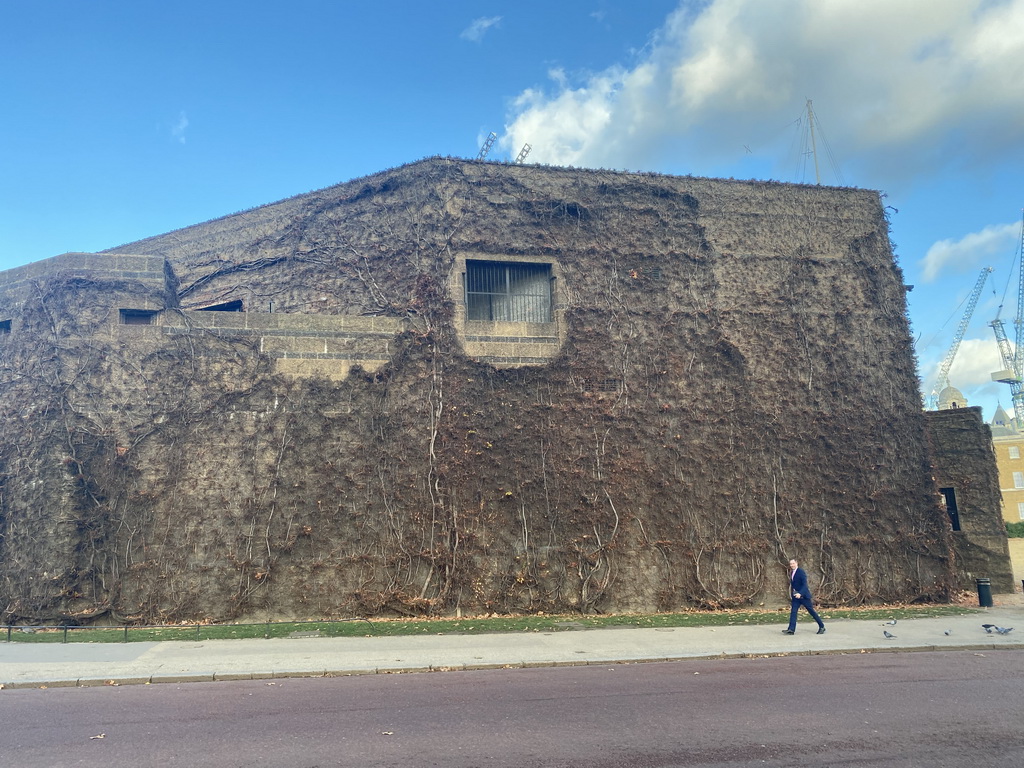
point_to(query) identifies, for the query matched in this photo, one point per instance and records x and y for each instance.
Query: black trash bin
(984, 592)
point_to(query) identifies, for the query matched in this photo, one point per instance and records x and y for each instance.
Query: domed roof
(951, 397)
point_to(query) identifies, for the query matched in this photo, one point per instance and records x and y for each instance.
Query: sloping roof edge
(126, 247)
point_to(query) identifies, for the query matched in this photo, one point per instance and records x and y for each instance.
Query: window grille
(1014, 452)
(1018, 479)
(509, 292)
(1020, 509)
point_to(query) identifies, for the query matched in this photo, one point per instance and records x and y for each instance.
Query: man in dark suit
(800, 594)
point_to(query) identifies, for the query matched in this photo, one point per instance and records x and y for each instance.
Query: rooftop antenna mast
(812, 134)
(488, 143)
(814, 144)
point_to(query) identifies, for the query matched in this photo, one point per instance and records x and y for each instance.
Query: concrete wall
(300, 345)
(143, 282)
(964, 460)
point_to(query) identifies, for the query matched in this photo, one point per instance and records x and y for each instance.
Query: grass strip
(464, 626)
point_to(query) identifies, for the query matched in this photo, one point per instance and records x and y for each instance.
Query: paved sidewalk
(32, 665)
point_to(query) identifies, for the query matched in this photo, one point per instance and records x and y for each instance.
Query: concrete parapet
(93, 265)
(334, 369)
(312, 324)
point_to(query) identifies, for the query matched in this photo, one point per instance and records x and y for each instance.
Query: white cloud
(972, 368)
(971, 372)
(475, 31)
(178, 129)
(558, 76)
(904, 84)
(970, 250)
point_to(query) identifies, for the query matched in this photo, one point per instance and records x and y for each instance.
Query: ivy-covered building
(462, 386)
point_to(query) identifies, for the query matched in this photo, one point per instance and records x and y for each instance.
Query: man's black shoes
(821, 630)
(788, 632)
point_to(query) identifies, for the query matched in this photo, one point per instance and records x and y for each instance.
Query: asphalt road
(893, 709)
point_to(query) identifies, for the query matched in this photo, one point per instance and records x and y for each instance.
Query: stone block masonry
(483, 387)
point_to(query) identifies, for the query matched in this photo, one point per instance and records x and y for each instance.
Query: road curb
(293, 674)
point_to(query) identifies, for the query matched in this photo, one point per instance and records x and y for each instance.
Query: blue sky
(128, 119)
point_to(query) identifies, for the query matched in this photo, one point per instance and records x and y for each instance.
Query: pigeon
(948, 632)
(888, 634)
(1004, 630)
(988, 627)
(891, 622)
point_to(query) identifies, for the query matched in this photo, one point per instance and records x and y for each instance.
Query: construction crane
(942, 380)
(1011, 356)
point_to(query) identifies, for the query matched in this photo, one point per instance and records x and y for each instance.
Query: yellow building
(1008, 442)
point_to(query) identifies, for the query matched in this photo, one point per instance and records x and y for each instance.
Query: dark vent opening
(949, 499)
(227, 306)
(5, 326)
(138, 316)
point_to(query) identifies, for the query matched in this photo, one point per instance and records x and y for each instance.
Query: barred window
(511, 292)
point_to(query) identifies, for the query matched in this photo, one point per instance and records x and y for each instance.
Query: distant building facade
(1008, 442)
